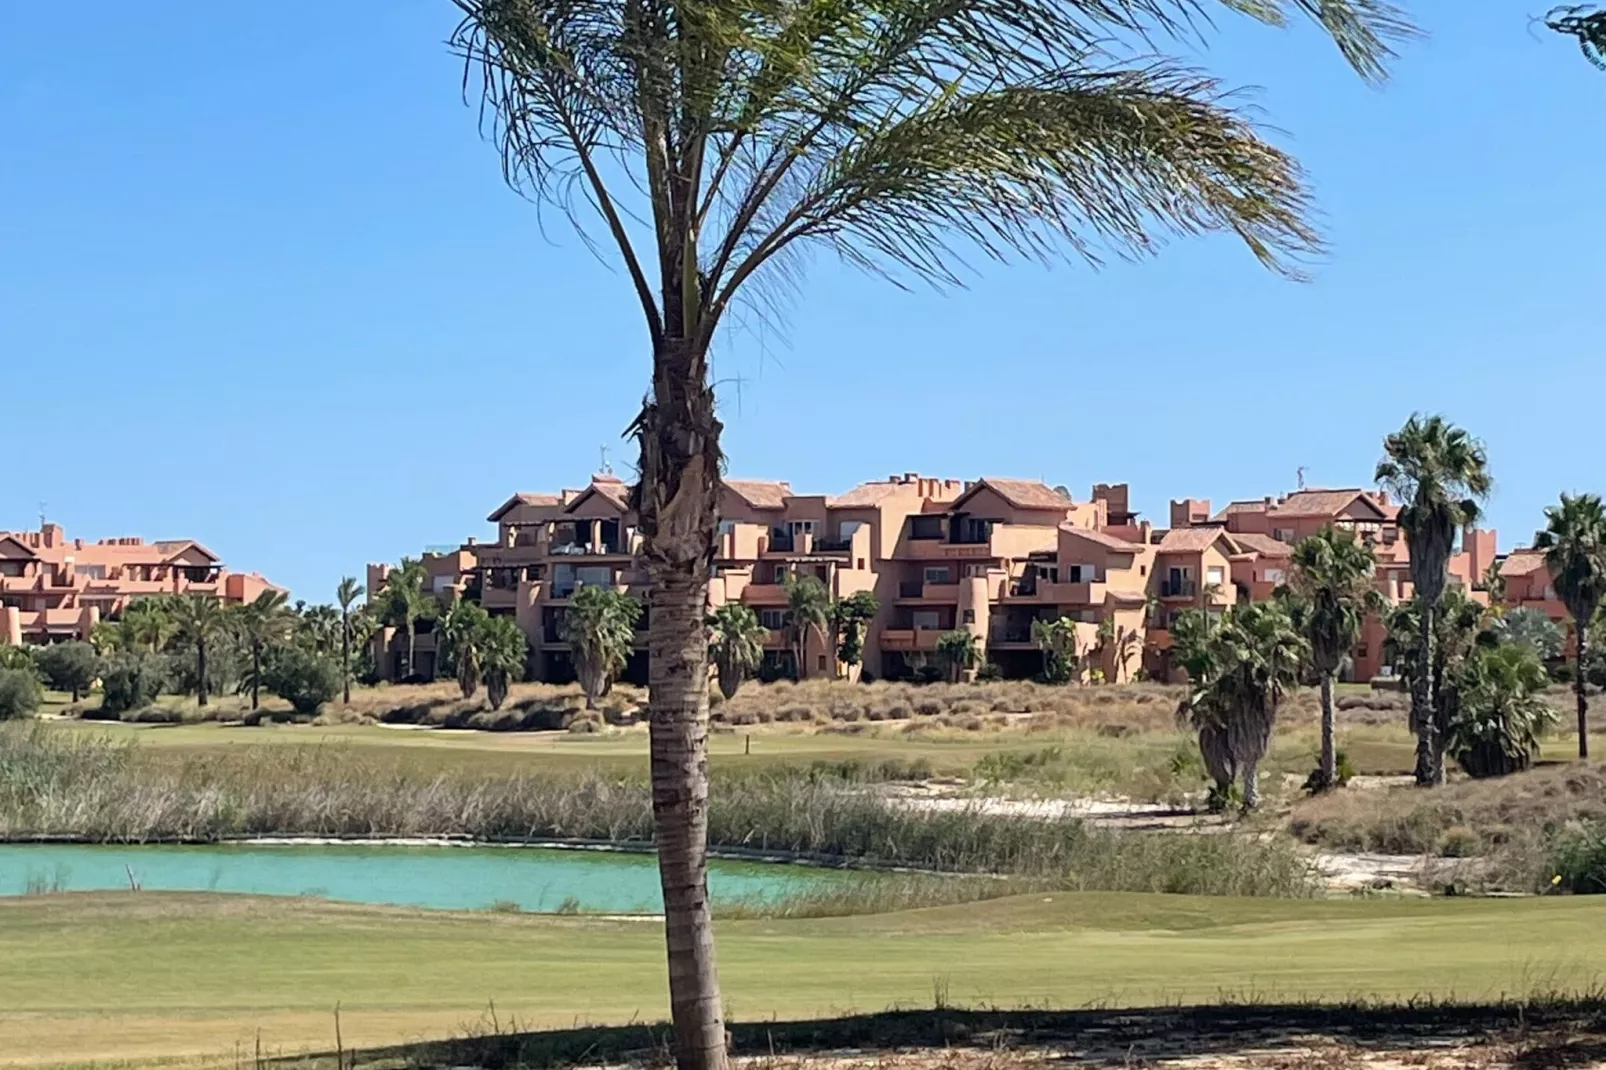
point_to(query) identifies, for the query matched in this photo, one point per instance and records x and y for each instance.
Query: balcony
(1178, 589)
(764, 594)
(780, 544)
(910, 638)
(1048, 593)
(833, 546)
(909, 590)
(1007, 632)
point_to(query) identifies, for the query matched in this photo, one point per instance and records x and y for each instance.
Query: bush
(1579, 860)
(70, 667)
(19, 693)
(302, 678)
(132, 682)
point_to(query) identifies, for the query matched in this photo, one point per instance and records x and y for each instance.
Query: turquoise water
(448, 878)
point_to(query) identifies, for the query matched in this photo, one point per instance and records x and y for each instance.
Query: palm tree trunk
(1429, 771)
(412, 635)
(1582, 630)
(345, 657)
(1329, 765)
(1251, 771)
(676, 509)
(200, 672)
(256, 671)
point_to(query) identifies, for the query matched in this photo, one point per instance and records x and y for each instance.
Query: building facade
(990, 556)
(54, 589)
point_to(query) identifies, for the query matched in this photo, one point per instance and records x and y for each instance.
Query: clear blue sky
(261, 285)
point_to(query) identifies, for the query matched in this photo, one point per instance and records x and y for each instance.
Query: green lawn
(187, 977)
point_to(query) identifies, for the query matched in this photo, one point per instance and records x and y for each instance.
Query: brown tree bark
(1328, 770)
(676, 510)
(1429, 768)
(1582, 629)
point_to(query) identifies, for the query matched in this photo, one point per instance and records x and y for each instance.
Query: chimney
(52, 534)
(471, 540)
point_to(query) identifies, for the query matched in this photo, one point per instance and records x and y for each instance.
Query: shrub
(989, 672)
(19, 693)
(70, 667)
(132, 682)
(1579, 860)
(302, 678)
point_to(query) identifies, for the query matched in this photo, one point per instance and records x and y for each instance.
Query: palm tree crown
(1440, 474)
(735, 643)
(1574, 541)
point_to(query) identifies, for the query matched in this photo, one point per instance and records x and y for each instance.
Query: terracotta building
(53, 588)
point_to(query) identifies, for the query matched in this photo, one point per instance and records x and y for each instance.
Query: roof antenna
(606, 470)
(41, 516)
(1299, 475)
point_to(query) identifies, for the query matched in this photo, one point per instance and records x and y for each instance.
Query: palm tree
(741, 132)
(346, 596)
(462, 634)
(1458, 629)
(849, 617)
(1332, 577)
(1441, 475)
(149, 623)
(503, 657)
(1251, 660)
(403, 602)
(1502, 711)
(1057, 640)
(1586, 22)
(199, 619)
(958, 650)
(736, 644)
(600, 628)
(1574, 541)
(261, 622)
(808, 610)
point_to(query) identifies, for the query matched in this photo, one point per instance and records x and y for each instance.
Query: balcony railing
(1011, 632)
(781, 544)
(833, 546)
(1178, 588)
(911, 588)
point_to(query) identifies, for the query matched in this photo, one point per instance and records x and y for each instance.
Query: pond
(445, 878)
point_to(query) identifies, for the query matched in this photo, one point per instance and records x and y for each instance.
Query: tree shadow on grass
(1551, 1033)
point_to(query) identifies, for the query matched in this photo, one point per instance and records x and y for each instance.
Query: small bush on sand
(302, 678)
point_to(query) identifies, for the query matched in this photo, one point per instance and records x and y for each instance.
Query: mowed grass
(187, 978)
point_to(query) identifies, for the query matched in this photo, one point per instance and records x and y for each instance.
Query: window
(94, 572)
(800, 527)
(970, 616)
(779, 575)
(1283, 534)
(774, 619)
(925, 527)
(846, 528)
(1213, 574)
(938, 574)
(861, 563)
(1143, 570)
(1051, 573)
(727, 527)
(926, 620)
(977, 570)
(1274, 575)
(973, 531)
(820, 663)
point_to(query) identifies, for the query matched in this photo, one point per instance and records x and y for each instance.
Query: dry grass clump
(1469, 817)
(1134, 706)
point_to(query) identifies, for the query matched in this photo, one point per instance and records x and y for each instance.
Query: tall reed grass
(54, 785)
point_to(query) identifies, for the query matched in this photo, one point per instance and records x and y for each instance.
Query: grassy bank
(56, 785)
(117, 977)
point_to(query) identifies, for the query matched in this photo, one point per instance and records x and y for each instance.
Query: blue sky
(261, 285)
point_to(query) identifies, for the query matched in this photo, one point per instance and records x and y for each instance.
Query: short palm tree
(462, 638)
(1061, 649)
(346, 595)
(402, 602)
(600, 628)
(1459, 627)
(1574, 541)
(898, 135)
(503, 656)
(149, 623)
(958, 651)
(1501, 712)
(1332, 575)
(261, 623)
(200, 619)
(735, 643)
(808, 612)
(850, 617)
(1441, 476)
(1253, 660)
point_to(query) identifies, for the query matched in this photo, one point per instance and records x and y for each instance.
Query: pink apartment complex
(53, 588)
(990, 556)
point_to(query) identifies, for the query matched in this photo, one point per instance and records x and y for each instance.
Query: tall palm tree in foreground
(346, 595)
(261, 623)
(1574, 541)
(897, 134)
(199, 618)
(1441, 476)
(403, 602)
(735, 643)
(1332, 579)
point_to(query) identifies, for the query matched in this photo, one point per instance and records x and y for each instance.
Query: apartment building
(1260, 534)
(54, 589)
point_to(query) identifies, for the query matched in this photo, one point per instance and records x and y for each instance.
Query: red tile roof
(1522, 562)
(1264, 545)
(523, 498)
(1023, 493)
(865, 495)
(760, 493)
(1191, 540)
(1323, 503)
(1109, 542)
